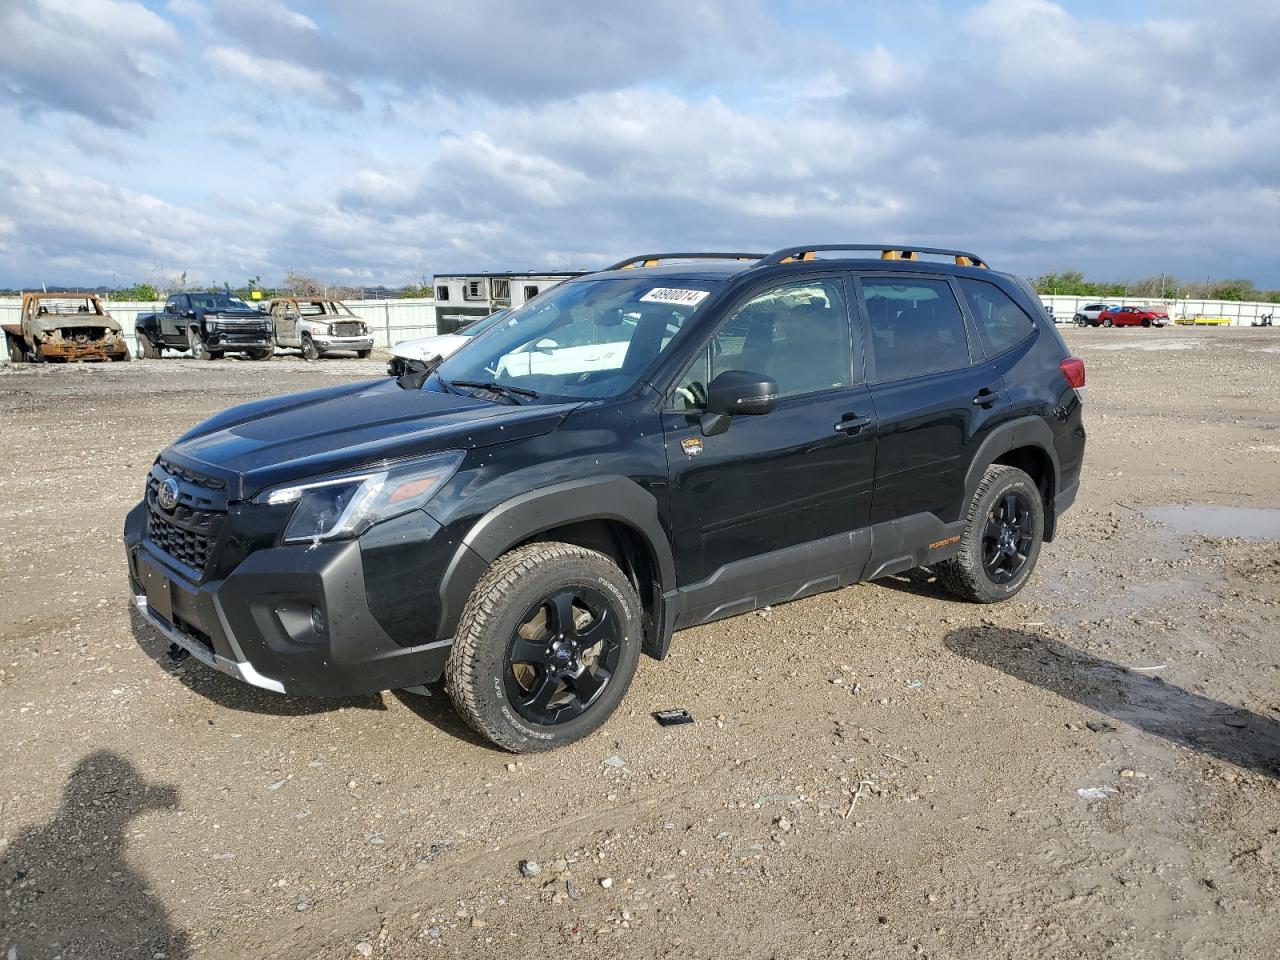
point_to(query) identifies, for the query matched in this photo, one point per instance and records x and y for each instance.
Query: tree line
(1072, 283)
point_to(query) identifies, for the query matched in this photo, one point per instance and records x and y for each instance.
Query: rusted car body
(64, 326)
(317, 326)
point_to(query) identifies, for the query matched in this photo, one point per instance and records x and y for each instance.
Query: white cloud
(99, 59)
(280, 78)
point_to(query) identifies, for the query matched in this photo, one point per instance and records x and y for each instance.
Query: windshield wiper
(511, 393)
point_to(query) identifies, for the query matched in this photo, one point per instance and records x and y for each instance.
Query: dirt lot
(877, 772)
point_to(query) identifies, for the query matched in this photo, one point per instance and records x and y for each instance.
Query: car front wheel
(309, 349)
(546, 648)
(1107, 322)
(1004, 528)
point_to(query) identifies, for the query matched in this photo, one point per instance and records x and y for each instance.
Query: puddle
(1207, 520)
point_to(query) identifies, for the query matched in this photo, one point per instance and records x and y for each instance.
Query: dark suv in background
(673, 440)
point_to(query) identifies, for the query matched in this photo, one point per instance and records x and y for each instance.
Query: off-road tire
(264, 353)
(474, 675)
(146, 349)
(200, 350)
(309, 349)
(965, 574)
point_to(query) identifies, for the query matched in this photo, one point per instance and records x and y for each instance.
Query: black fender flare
(523, 517)
(1028, 431)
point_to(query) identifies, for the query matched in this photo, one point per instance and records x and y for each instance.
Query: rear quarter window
(1001, 322)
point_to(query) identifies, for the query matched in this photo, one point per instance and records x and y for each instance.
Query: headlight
(347, 505)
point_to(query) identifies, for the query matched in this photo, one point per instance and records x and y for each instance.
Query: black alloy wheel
(562, 655)
(1008, 537)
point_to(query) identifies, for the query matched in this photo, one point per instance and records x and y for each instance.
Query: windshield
(587, 338)
(483, 324)
(218, 301)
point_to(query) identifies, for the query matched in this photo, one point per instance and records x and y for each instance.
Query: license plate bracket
(158, 589)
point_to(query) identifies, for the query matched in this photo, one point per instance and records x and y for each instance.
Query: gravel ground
(1090, 770)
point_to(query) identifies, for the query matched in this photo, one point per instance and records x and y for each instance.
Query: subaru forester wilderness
(664, 443)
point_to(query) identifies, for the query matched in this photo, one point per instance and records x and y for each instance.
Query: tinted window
(797, 333)
(1001, 322)
(916, 328)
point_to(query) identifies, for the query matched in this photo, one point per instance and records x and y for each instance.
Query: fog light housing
(318, 623)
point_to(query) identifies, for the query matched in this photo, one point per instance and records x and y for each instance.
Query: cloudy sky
(379, 142)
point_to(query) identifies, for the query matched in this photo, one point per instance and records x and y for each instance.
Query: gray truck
(318, 326)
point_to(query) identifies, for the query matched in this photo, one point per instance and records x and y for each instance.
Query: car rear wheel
(146, 349)
(546, 648)
(309, 349)
(1004, 528)
(17, 350)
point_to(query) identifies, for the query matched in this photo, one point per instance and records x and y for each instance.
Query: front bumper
(232, 341)
(59, 349)
(292, 619)
(343, 343)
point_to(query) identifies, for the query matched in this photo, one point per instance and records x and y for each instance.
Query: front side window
(916, 327)
(590, 338)
(1001, 322)
(797, 333)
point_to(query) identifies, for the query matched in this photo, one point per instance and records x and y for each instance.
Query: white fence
(1240, 313)
(390, 320)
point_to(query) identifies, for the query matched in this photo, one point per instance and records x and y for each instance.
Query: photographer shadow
(69, 888)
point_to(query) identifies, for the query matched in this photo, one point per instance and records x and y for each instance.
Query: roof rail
(792, 254)
(653, 259)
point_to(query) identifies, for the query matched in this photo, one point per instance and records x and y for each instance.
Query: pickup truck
(64, 326)
(317, 326)
(207, 324)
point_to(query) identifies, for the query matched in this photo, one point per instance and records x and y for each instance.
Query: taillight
(1073, 369)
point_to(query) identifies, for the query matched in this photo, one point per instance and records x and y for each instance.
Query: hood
(311, 434)
(427, 347)
(61, 321)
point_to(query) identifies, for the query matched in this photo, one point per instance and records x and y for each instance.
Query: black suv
(673, 440)
(208, 324)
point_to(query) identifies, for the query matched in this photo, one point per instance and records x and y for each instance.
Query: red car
(1132, 317)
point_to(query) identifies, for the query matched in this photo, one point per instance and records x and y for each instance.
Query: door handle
(851, 424)
(986, 397)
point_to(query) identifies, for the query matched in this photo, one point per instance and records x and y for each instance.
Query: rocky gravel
(1091, 770)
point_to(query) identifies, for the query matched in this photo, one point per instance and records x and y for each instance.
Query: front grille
(188, 544)
(347, 329)
(189, 532)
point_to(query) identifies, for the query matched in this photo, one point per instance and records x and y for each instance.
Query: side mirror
(737, 393)
(189, 313)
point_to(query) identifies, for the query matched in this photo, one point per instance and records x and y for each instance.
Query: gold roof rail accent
(655, 259)
(962, 258)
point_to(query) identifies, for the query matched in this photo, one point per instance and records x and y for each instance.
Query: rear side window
(1001, 322)
(916, 327)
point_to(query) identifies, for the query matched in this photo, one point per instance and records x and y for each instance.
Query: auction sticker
(687, 298)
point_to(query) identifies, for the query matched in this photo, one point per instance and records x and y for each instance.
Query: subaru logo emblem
(167, 494)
